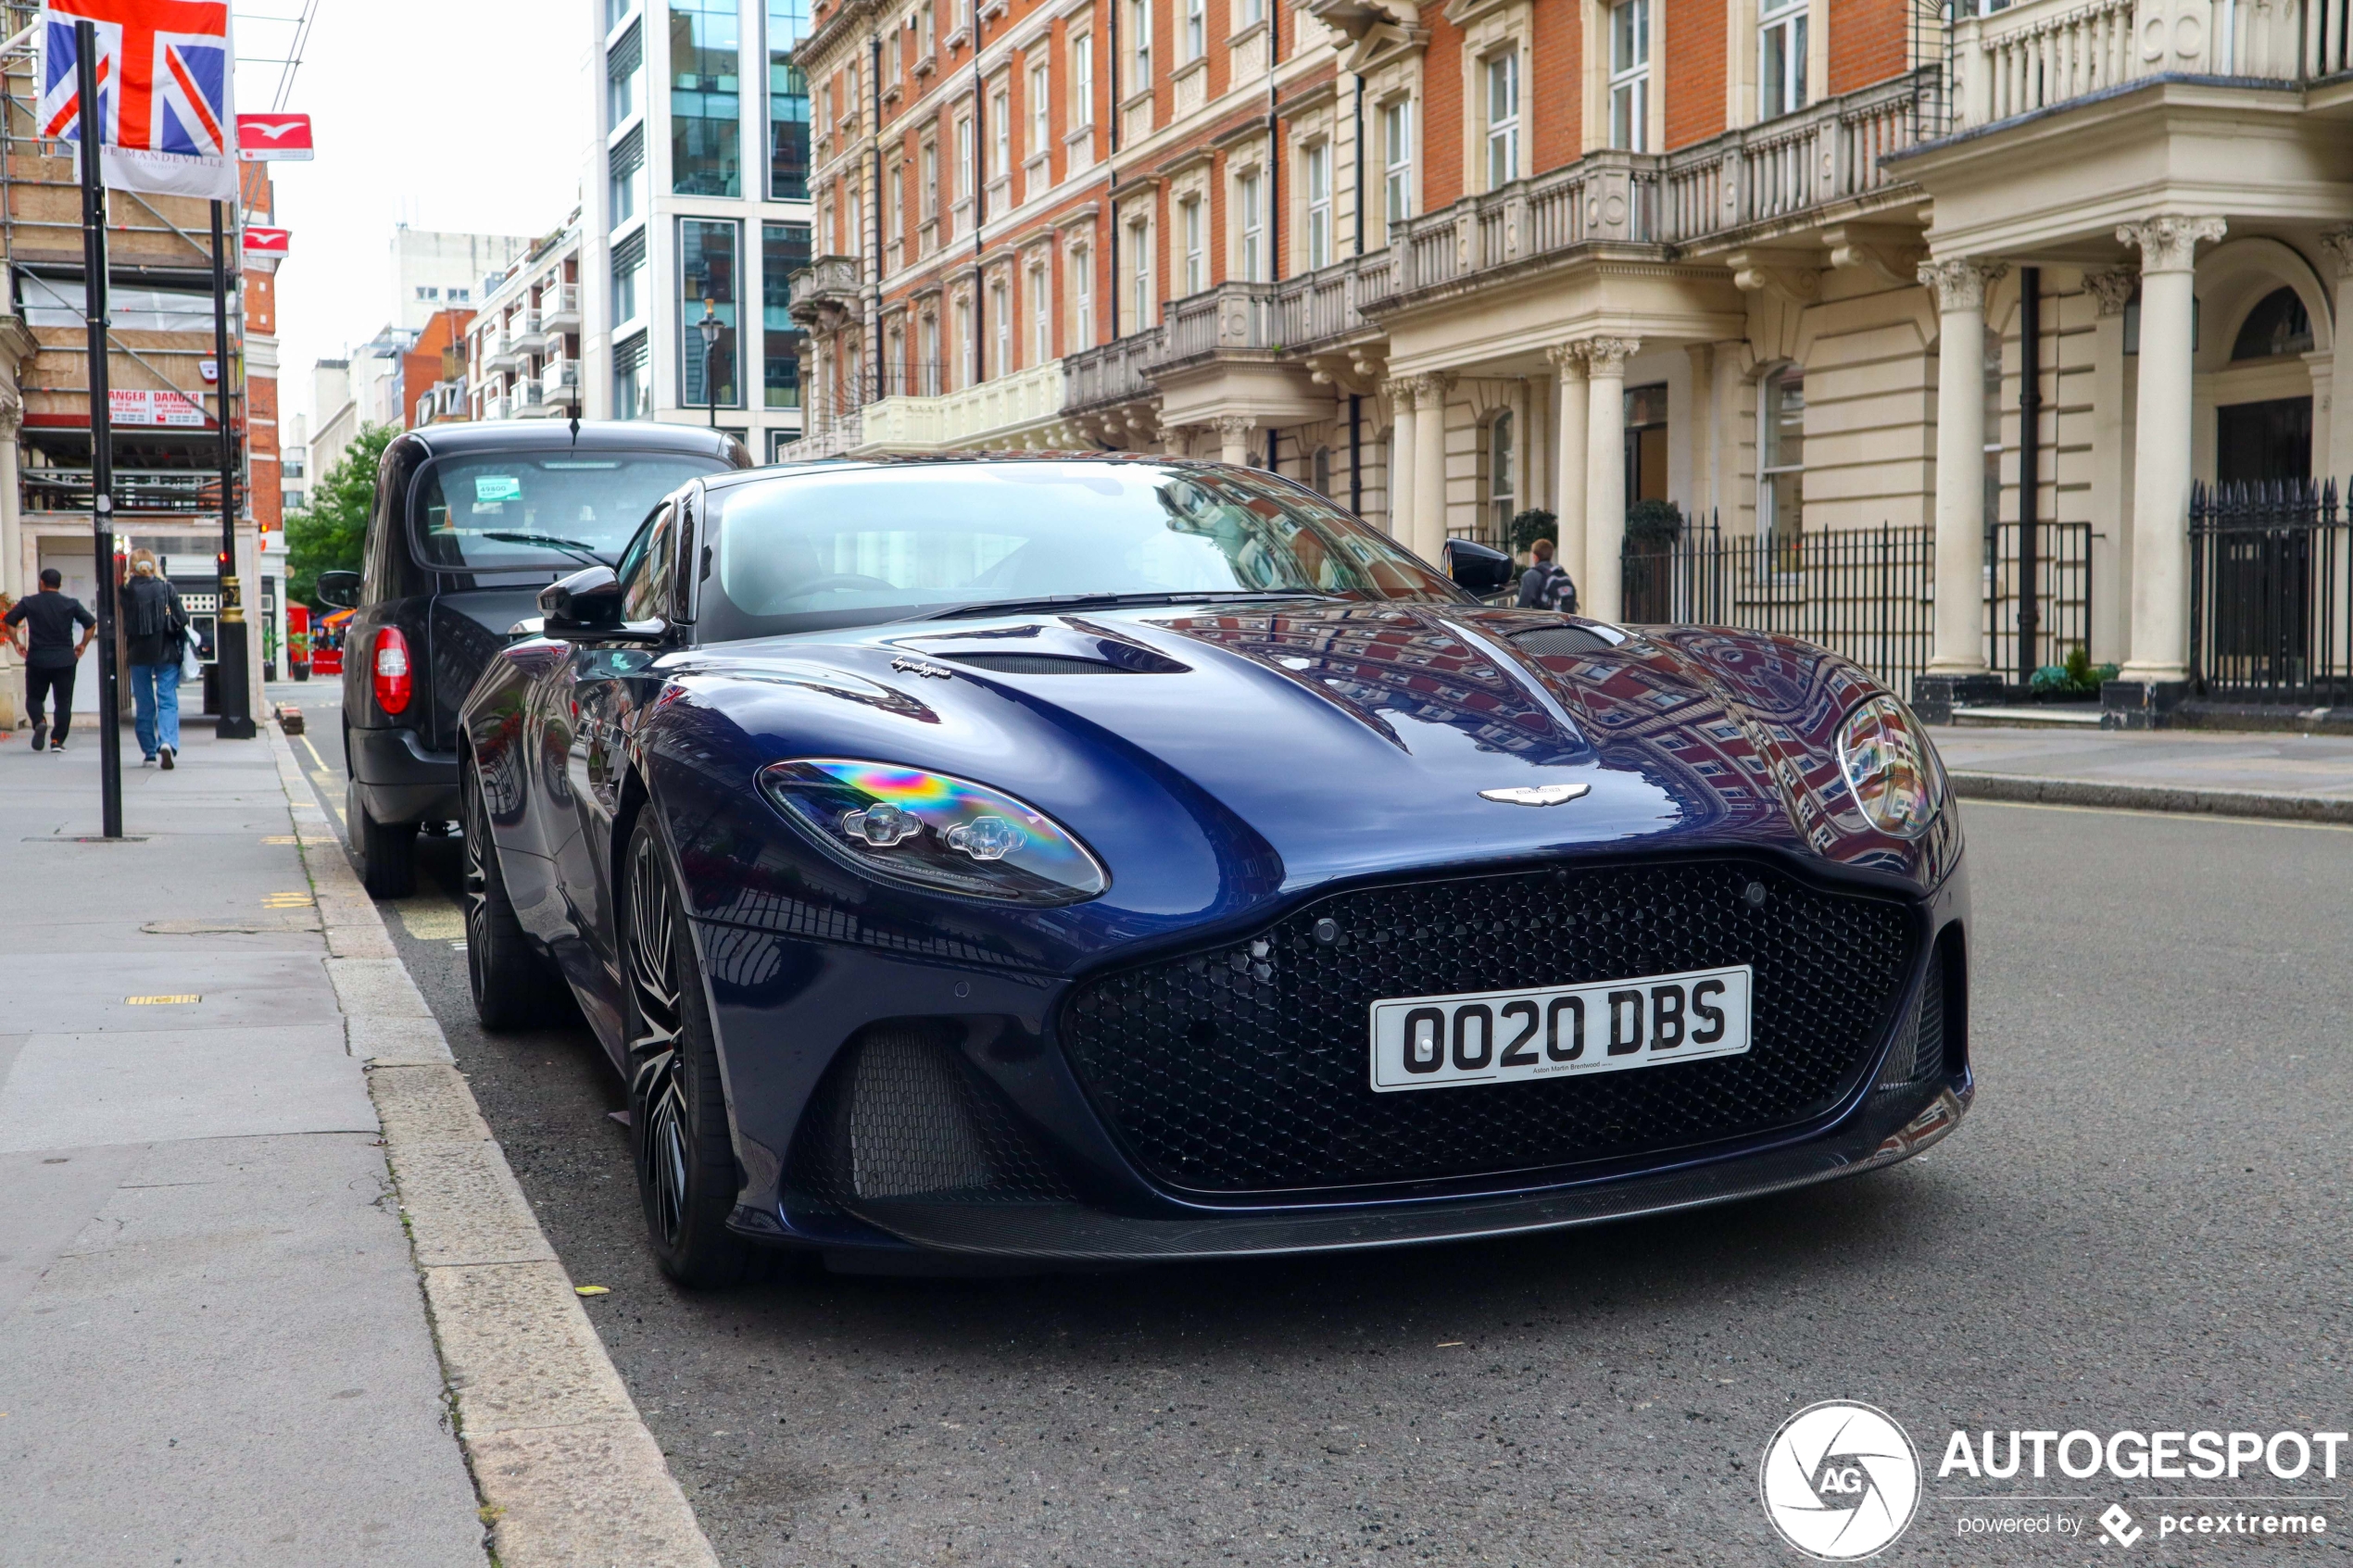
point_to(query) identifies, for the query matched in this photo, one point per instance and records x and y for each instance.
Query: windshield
(542, 512)
(854, 546)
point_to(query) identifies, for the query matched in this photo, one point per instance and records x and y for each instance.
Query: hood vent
(1119, 659)
(1555, 640)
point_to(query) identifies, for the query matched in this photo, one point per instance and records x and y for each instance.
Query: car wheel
(387, 852)
(677, 1111)
(513, 984)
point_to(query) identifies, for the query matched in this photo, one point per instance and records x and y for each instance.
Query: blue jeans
(155, 693)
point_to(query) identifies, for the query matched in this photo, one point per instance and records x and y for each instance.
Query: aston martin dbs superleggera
(1119, 859)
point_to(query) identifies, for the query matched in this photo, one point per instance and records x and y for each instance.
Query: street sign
(266, 242)
(140, 406)
(273, 138)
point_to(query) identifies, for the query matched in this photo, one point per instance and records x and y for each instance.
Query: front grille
(1248, 1069)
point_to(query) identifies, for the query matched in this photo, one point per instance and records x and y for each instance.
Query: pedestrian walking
(155, 631)
(50, 652)
(1546, 584)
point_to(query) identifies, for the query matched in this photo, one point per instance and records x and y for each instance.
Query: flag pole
(231, 653)
(93, 303)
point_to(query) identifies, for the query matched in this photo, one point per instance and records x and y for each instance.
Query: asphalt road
(2143, 1225)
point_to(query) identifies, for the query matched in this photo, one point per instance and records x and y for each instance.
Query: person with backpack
(1546, 584)
(50, 653)
(155, 626)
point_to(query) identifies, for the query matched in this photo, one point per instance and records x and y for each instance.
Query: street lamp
(709, 328)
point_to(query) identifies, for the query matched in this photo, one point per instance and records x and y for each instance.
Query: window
(1082, 79)
(787, 102)
(854, 232)
(784, 249)
(290, 500)
(426, 291)
(963, 12)
(1252, 224)
(1254, 12)
(707, 272)
(924, 29)
(968, 345)
(1190, 226)
(1502, 502)
(929, 192)
(1319, 470)
(1082, 298)
(1000, 311)
(461, 294)
(927, 373)
(1781, 487)
(1041, 320)
(1001, 134)
(1502, 119)
(1317, 171)
(2278, 324)
(1196, 29)
(1140, 30)
(1780, 59)
(1629, 74)
(894, 214)
(1140, 275)
(1041, 124)
(1397, 161)
(628, 177)
(706, 141)
(633, 387)
(964, 159)
(624, 78)
(615, 10)
(628, 278)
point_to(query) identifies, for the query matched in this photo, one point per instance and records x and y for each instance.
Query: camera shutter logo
(1840, 1481)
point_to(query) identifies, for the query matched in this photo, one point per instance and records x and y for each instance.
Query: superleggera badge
(920, 667)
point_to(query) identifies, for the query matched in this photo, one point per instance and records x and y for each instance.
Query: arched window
(2279, 324)
(1501, 501)
(1319, 470)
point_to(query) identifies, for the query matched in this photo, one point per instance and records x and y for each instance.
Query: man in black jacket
(155, 627)
(50, 653)
(1544, 585)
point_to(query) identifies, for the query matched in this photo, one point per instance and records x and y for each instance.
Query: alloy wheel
(477, 885)
(653, 1043)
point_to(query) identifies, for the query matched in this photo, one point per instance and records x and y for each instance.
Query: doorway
(2257, 442)
(2262, 575)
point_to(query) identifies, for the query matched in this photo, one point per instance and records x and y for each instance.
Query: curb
(568, 1474)
(2031, 790)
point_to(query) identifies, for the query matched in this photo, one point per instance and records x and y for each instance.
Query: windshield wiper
(549, 541)
(1097, 601)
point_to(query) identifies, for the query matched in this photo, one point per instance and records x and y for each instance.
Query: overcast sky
(449, 114)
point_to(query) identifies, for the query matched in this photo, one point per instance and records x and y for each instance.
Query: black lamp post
(709, 326)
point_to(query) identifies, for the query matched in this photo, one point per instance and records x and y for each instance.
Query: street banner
(273, 138)
(268, 241)
(138, 406)
(165, 69)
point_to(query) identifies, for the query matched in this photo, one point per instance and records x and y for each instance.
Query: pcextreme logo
(1840, 1481)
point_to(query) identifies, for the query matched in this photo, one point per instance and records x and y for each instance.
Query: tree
(326, 535)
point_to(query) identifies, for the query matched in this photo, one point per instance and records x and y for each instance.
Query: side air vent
(1037, 664)
(1547, 641)
(900, 1115)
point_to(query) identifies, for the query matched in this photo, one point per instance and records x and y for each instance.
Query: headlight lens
(1890, 767)
(937, 831)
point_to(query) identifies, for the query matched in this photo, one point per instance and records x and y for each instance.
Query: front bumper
(1886, 1131)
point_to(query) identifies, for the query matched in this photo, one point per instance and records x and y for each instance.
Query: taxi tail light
(391, 670)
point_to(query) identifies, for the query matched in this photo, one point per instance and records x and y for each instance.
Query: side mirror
(588, 600)
(1479, 568)
(340, 589)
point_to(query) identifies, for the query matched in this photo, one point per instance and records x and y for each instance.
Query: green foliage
(2076, 677)
(1654, 524)
(326, 535)
(1530, 526)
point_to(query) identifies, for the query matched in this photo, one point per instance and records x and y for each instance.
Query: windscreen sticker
(497, 487)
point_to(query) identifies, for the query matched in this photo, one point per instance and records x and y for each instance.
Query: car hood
(1214, 754)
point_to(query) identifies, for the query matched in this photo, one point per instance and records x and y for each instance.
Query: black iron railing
(2270, 613)
(2024, 635)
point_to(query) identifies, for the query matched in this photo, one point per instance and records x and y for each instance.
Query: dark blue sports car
(1118, 859)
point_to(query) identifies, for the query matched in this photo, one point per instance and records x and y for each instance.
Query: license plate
(1559, 1031)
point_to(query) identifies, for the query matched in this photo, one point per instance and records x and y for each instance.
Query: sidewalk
(239, 1165)
(2304, 777)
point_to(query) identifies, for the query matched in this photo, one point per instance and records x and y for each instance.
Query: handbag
(191, 667)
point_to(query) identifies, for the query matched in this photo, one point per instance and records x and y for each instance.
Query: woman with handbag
(156, 627)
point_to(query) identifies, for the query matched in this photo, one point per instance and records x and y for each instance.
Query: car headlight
(1890, 767)
(945, 833)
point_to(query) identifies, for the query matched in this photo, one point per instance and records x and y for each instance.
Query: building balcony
(501, 353)
(497, 408)
(1116, 372)
(1002, 410)
(826, 292)
(559, 386)
(832, 438)
(526, 333)
(559, 309)
(527, 402)
(2037, 54)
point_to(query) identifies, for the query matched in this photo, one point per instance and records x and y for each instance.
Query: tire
(513, 983)
(685, 1160)
(387, 851)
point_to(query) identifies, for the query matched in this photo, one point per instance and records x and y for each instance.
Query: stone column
(1606, 357)
(2160, 644)
(2339, 244)
(2111, 466)
(1568, 458)
(1700, 443)
(1233, 437)
(1957, 652)
(1429, 471)
(1400, 460)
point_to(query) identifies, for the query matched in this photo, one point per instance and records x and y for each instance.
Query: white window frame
(1316, 185)
(1082, 298)
(1042, 110)
(1502, 473)
(1781, 27)
(1041, 315)
(1629, 75)
(967, 344)
(1196, 29)
(1250, 225)
(1139, 51)
(1000, 132)
(1397, 161)
(1140, 274)
(1082, 81)
(898, 234)
(1191, 227)
(1000, 312)
(964, 184)
(1772, 394)
(1500, 97)
(928, 372)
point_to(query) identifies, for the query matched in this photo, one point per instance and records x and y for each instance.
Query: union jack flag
(165, 68)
